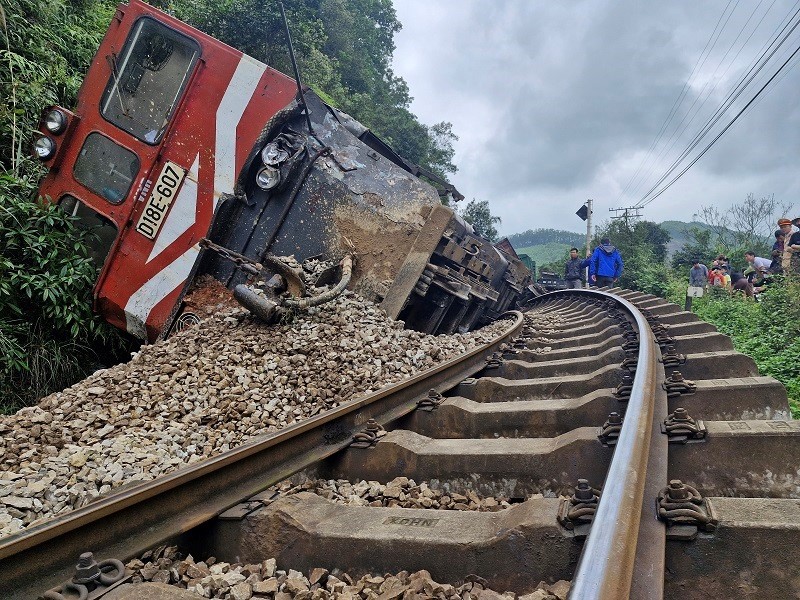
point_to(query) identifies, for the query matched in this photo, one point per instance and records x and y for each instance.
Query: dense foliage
(477, 214)
(48, 337)
(768, 331)
(643, 247)
(344, 51)
(537, 237)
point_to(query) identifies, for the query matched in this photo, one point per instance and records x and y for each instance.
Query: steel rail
(128, 522)
(613, 546)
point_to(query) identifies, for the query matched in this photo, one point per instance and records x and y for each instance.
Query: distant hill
(547, 245)
(676, 230)
(545, 253)
(539, 237)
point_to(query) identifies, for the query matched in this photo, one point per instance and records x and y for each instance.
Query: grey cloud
(556, 102)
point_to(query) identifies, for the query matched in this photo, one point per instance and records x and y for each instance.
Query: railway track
(640, 456)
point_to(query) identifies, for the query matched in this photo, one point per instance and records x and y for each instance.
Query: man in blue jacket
(605, 264)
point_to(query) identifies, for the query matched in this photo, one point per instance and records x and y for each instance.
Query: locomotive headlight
(44, 148)
(268, 178)
(55, 121)
(272, 155)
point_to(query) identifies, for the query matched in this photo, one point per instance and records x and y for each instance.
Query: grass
(766, 331)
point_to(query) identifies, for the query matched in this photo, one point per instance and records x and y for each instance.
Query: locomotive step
(306, 531)
(514, 468)
(741, 458)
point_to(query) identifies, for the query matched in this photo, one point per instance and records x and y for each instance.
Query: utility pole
(585, 213)
(630, 212)
(589, 203)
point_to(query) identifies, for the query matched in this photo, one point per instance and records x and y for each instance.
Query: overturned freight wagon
(188, 158)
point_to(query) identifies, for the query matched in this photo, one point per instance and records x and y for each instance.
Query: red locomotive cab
(164, 122)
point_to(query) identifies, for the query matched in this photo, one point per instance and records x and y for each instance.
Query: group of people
(784, 258)
(605, 266)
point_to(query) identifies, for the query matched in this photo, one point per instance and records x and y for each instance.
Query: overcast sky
(557, 102)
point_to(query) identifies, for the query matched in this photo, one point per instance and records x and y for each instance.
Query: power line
(677, 101)
(675, 134)
(741, 86)
(667, 149)
(728, 126)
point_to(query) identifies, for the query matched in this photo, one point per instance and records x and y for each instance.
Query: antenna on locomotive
(296, 71)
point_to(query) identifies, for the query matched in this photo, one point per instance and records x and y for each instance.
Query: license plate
(160, 199)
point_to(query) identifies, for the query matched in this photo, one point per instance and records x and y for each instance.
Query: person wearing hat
(785, 227)
(605, 264)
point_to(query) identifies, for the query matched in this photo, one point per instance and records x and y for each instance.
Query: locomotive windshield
(106, 168)
(147, 79)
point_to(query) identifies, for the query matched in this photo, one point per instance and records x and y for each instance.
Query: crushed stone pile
(400, 492)
(212, 579)
(203, 391)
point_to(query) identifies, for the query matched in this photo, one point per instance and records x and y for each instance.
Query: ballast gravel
(203, 391)
(400, 492)
(211, 579)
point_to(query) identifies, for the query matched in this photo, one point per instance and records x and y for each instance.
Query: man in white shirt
(759, 264)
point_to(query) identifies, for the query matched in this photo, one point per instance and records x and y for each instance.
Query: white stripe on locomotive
(240, 91)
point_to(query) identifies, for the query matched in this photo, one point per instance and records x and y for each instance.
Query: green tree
(477, 214)
(344, 51)
(748, 225)
(697, 246)
(46, 49)
(643, 246)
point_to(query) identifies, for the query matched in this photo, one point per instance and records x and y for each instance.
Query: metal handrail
(606, 567)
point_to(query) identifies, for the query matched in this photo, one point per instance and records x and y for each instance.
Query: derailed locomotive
(189, 158)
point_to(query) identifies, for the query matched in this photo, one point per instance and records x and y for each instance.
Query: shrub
(768, 331)
(48, 334)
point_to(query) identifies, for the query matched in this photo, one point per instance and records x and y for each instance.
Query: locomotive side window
(103, 231)
(106, 168)
(147, 79)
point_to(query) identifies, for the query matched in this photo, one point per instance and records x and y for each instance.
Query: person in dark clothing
(740, 283)
(605, 264)
(573, 270)
(792, 247)
(698, 274)
(775, 267)
(780, 238)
